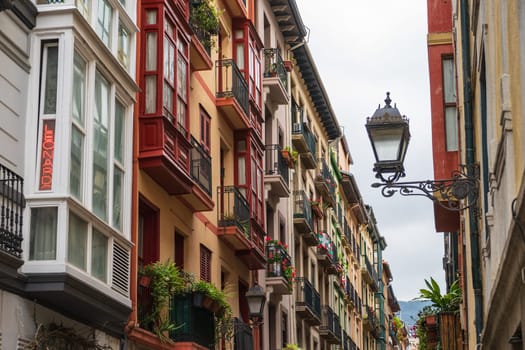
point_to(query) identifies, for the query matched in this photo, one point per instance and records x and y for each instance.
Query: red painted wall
(440, 21)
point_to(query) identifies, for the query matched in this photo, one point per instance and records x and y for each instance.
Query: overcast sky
(363, 49)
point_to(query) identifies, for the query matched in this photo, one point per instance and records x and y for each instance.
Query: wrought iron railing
(243, 338)
(279, 262)
(193, 324)
(144, 307)
(347, 232)
(233, 209)
(274, 66)
(326, 175)
(196, 14)
(12, 203)
(370, 269)
(275, 163)
(201, 166)
(302, 207)
(302, 128)
(230, 82)
(330, 321)
(305, 293)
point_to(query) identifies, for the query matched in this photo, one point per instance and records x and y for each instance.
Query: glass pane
(77, 241)
(123, 45)
(151, 17)
(50, 92)
(100, 147)
(241, 171)
(99, 255)
(168, 97)
(451, 125)
(79, 92)
(238, 34)
(169, 61)
(181, 115)
(151, 93)
(118, 177)
(43, 234)
(75, 173)
(105, 12)
(240, 56)
(181, 77)
(151, 51)
(119, 132)
(387, 143)
(449, 83)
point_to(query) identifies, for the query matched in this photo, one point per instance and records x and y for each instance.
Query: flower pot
(144, 281)
(431, 320)
(288, 65)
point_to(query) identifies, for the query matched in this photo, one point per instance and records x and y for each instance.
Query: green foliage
(204, 19)
(292, 347)
(57, 336)
(448, 302)
(166, 280)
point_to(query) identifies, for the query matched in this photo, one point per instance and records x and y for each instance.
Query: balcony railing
(325, 183)
(327, 253)
(277, 170)
(330, 325)
(12, 203)
(371, 320)
(274, 66)
(234, 209)
(372, 278)
(278, 261)
(201, 166)
(303, 220)
(193, 324)
(144, 307)
(301, 128)
(202, 34)
(231, 83)
(243, 338)
(308, 298)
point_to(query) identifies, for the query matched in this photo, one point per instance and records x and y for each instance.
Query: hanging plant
(204, 20)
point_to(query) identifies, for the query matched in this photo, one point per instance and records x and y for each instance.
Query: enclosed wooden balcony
(307, 301)
(164, 154)
(330, 328)
(302, 218)
(275, 77)
(238, 230)
(232, 94)
(276, 171)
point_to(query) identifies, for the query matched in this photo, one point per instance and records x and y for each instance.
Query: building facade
(197, 133)
(488, 59)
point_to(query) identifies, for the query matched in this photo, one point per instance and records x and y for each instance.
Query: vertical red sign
(47, 154)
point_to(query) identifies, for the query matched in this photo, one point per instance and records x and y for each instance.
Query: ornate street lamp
(256, 299)
(389, 135)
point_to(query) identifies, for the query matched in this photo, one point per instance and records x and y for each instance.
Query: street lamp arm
(447, 193)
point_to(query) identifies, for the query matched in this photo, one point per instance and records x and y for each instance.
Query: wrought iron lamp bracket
(457, 193)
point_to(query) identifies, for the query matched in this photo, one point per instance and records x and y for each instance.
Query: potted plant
(166, 280)
(204, 20)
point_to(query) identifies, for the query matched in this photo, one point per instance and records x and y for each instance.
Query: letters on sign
(47, 154)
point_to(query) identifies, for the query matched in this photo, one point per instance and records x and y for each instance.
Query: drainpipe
(471, 160)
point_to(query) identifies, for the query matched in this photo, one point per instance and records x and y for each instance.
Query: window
(449, 97)
(179, 251)
(105, 14)
(43, 233)
(118, 164)
(123, 45)
(77, 130)
(100, 147)
(205, 129)
(148, 235)
(77, 242)
(82, 239)
(48, 106)
(284, 328)
(205, 264)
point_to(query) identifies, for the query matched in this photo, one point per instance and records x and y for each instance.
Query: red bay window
(249, 173)
(247, 55)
